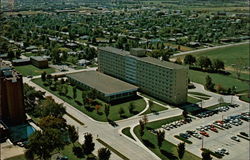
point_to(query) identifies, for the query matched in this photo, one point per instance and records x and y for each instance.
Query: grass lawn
(168, 150)
(217, 105)
(20, 157)
(228, 54)
(192, 100)
(153, 99)
(32, 70)
(66, 152)
(225, 81)
(114, 110)
(245, 98)
(126, 131)
(199, 94)
(155, 108)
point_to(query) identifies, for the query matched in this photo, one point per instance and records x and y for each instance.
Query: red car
(221, 122)
(204, 133)
(213, 129)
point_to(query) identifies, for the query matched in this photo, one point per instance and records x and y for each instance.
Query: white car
(235, 138)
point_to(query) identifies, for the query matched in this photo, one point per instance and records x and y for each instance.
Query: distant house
(85, 37)
(71, 45)
(20, 62)
(194, 44)
(39, 61)
(30, 48)
(83, 62)
(3, 56)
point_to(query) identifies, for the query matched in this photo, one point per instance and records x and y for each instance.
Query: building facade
(39, 62)
(11, 96)
(163, 80)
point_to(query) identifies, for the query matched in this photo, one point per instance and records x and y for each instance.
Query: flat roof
(102, 82)
(38, 58)
(146, 59)
(114, 50)
(21, 60)
(161, 63)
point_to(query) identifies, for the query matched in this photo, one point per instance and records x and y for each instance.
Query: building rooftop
(114, 50)
(21, 60)
(144, 59)
(102, 82)
(38, 58)
(161, 63)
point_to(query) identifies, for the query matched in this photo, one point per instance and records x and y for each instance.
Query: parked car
(235, 138)
(204, 133)
(244, 134)
(214, 129)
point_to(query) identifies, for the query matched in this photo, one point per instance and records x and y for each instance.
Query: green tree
(181, 150)
(218, 64)
(142, 127)
(88, 145)
(185, 114)
(206, 155)
(29, 154)
(66, 90)
(131, 107)
(50, 107)
(160, 137)
(150, 105)
(121, 111)
(52, 122)
(189, 59)
(209, 83)
(107, 110)
(73, 135)
(43, 76)
(74, 92)
(204, 62)
(43, 143)
(104, 154)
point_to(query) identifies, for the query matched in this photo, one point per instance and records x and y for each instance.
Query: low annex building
(108, 88)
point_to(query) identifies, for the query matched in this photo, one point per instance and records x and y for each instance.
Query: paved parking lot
(222, 139)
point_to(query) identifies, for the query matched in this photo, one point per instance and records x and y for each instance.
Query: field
(230, 55)
(32, 70)
(99, 116)
(223, 80)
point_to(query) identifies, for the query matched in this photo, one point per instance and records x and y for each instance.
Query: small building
(83, 62)
(20, 62)
(4, 56)
(39, 61)
(108, 88)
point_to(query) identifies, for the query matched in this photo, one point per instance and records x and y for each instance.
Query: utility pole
(202, 142)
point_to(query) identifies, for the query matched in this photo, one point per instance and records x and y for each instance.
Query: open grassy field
(229, 55)
(99, 116)
(223, 80)
(168, 150)
(32, 70)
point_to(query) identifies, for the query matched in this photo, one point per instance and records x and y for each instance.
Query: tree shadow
(148, 143)
(169, 155)
(68, 97)
(78, 102)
